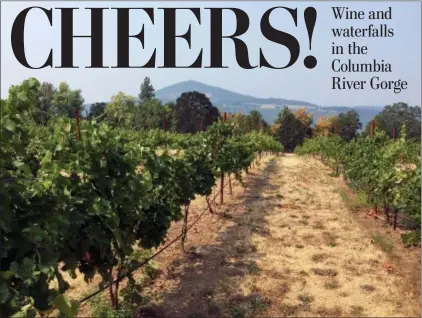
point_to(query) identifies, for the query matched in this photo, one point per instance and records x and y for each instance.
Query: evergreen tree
(147, 91)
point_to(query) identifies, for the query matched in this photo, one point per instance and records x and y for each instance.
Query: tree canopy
(149, 114)
(348, 124)
(395, 116)
(46, 95)
(120, 110)
(257, 122)
(194, 112)
(96, 110)
(66, 101)
(252, 121)
(292, 128)
(324, 125)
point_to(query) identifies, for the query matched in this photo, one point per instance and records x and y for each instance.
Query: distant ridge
(228, 101)
(220, 96)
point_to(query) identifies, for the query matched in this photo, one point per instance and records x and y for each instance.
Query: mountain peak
(186, 86)
(220, 96)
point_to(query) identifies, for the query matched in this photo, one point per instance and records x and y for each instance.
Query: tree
(257, 122)
(395, 116)
(274, 128)
(194, 111)
(324, 125)
(305, 119)
(170, 116)
(46, 95)
(120, 111)
(241, 122)
(96, 110)
(149, 115)
(290, 131)
(66, 101)
(348, 124)
(147, 91)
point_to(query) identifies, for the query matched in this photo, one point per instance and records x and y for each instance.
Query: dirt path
(288, 246)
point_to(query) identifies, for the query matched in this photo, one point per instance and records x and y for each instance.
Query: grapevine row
(89, 204)
(387, 170)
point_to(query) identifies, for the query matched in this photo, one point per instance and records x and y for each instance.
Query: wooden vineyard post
(386, 211)
(395, 219)
(259, 130)
(184, 229)
(222, 174)
(78, 128)
(222, 187)
(372, 128)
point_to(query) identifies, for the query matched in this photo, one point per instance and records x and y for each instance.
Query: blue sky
(403, 51)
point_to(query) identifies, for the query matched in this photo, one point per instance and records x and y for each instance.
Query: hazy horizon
(403, 51)
(266, 97)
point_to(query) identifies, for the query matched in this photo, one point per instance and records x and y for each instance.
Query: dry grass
(319, 226)
(320, 257)
(306, 299)
(324, 272)
(368, 288)
(356, 311)
(329, 312)
(329, 238)
(383, 242)
(332, 284)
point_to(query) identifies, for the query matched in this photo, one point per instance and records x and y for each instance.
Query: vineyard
(386, 171)
(85, 195)
(89, 203)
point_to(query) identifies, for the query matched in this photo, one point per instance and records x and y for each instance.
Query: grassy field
(293, 243)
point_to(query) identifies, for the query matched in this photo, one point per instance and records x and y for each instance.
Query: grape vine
(387, 170)
(90, 204)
